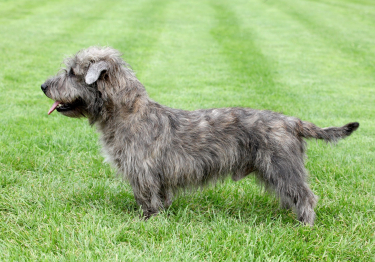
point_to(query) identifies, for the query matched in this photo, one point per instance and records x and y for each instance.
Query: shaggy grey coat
(161, 150)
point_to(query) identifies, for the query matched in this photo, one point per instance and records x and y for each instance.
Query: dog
(162, 151)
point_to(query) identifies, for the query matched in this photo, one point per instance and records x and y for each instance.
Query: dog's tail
(328, 134)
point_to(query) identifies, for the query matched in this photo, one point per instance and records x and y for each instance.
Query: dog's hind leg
(287, 179)
(302, 200)
(286, 203)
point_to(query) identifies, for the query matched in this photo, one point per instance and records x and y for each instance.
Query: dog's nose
(44, 87)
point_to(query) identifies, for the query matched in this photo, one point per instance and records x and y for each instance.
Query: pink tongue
(53, 107)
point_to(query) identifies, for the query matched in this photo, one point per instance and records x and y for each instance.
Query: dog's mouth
(64, 107)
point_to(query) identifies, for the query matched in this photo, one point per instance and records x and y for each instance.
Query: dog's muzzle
(44, 87)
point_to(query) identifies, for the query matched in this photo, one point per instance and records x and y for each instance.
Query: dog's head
(89, 82)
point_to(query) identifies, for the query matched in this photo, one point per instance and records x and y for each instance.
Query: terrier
(161, 150)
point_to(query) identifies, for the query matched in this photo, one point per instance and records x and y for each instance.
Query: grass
(311, 59)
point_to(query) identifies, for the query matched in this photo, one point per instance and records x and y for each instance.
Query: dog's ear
(94, 71)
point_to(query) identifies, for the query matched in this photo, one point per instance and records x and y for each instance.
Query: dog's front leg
(146, 189)
(166, 195)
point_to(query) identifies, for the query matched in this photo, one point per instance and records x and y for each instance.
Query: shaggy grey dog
(161, 150)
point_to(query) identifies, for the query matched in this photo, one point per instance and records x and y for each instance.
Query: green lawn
(314, 59)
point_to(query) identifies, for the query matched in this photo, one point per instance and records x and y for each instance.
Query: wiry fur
(161, 150)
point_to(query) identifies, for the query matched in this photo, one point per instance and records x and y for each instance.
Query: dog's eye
(71, 72)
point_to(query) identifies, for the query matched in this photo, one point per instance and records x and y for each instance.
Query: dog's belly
(236, 176)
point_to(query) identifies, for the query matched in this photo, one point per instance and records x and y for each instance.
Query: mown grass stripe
(67, 26)
(185, 66)
(72, 36)
(138, 37)
(16, 10)
(359, 49)
(361, 10)
(306, 67)
(335, 61)
(249, 67)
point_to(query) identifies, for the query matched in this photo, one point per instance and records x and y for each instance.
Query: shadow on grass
(224, 201)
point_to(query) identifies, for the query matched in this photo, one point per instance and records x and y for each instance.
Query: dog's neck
(130, 100)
